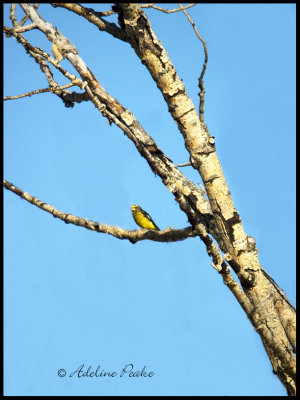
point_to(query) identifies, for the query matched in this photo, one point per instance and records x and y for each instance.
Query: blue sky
(72, 296)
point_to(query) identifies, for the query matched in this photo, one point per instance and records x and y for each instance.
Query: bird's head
(135, 207)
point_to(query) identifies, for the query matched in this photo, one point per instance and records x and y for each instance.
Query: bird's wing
(148, 217)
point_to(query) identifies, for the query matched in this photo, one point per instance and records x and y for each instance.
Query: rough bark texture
(241, 249)
(263, 301)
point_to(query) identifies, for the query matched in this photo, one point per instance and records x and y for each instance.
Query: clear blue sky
(72, 296)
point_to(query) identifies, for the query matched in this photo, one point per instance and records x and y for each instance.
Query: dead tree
(210, 212)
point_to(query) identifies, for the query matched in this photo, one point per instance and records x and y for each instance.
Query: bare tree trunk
(264, 303)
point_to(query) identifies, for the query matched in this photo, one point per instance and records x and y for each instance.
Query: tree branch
(190, 198)
(95, 18)
(167, 235)
(224, 224)
(37, 53)
(151, 5)
(39, 91)
(201, 82)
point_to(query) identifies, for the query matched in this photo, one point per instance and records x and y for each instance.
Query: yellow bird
(143, 219)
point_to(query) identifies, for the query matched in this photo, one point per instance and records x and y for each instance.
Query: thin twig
(41, 58)
(100, 13)
(38, 91)
(151, 5)
(185, 165)
(12, 15)
(14, 20)
(36, 51)
(201, 187)
(201, 83)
